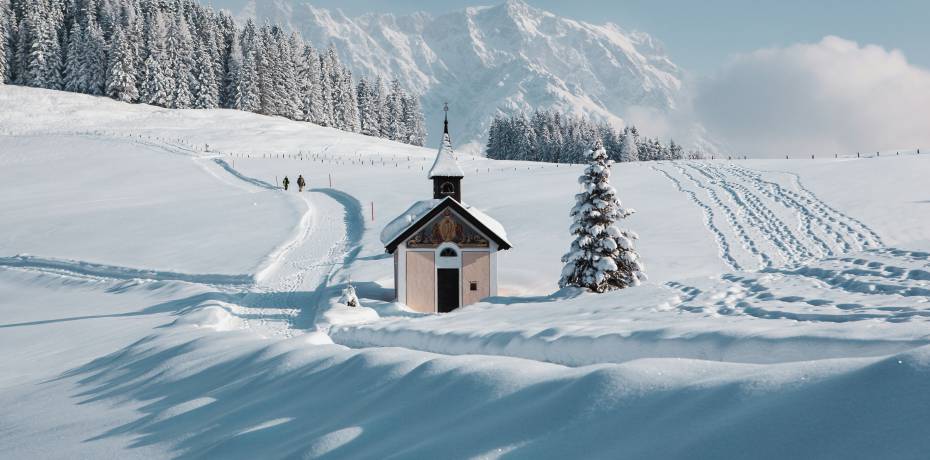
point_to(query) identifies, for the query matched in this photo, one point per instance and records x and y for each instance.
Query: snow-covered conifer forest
(552, 137)
(179, 54)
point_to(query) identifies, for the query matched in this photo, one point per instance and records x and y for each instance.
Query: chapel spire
(445, 123)
(446, 173)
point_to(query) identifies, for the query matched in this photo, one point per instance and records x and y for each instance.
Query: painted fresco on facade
(447, 227)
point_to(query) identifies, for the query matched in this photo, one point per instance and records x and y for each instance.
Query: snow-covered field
(160, 296)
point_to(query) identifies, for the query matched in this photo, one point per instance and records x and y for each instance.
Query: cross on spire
(445, 126)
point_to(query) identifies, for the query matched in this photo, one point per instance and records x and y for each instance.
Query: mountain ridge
(488, 60)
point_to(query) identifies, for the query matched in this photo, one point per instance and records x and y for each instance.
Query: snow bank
(212, 314)
(286, 400)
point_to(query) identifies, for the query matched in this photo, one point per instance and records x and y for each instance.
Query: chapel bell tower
(446, 173)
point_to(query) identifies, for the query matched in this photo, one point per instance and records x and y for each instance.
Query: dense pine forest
(552, 137)
(179, 54)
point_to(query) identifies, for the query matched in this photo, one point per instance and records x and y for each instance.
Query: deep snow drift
(161, 297)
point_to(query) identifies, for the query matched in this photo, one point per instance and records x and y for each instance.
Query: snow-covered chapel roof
(422, 211)
(445, 164)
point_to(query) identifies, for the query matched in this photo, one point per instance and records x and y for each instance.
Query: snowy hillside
(509, 57)
(161, 297)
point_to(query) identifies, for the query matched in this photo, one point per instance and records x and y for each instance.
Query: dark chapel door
(447, 289)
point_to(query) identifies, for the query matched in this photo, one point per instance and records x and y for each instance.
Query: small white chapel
(445, 251)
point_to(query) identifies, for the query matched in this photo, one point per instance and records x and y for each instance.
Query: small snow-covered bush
(349, 297)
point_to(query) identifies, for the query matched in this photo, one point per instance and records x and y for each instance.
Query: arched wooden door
(448, 278)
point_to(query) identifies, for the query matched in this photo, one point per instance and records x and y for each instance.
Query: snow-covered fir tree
(4, 38)
(629, 149)
(376, 93)
(327, 61)
(42, 52)
(231, 78)
(203, 80)
(267, 87)
(94, 59)
(73, 78)
(392, 114)
(229, 56)
(346, 106)
(249, 87)
(602, 257)
(179, 53)
(288, 58)
(366, 116)
(414, 124)
(121, 71)
(311, 93)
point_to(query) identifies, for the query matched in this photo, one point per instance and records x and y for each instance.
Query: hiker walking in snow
(287, 182)
(301, 183)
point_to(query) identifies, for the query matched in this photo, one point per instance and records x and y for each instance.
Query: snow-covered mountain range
(484, 60)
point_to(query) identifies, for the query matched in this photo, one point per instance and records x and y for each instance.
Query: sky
(700, 36)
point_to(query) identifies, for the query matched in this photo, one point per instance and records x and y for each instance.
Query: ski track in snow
(100, 271)
(731, 216)
(879, 284)
(759, 207)
(771, 222)
(722, 243)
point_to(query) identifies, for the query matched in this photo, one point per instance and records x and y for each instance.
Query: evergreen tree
(230, 55)
(179, 57)
(602, 257)
(121, 70)
(308, 76)
(365, 115)
(205, 87)
(376, 103)
(231, 79)
(495, 134)
(42, 57)
(287, 58)
(94, 59)
(5, 15)
(392, 118)
(326, 87)
(136, 39)
(156, 89)
(249, 88)
(629, 150)
(347, 103)
(267, 85)
(675, 152)
(414, 124)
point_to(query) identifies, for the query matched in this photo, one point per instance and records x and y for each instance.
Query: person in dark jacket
(301, 183)
(286, 182)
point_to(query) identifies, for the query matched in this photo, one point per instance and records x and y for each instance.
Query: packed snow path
(299, 278)
(766, 219)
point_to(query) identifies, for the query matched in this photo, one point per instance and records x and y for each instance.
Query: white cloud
(834, 96)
